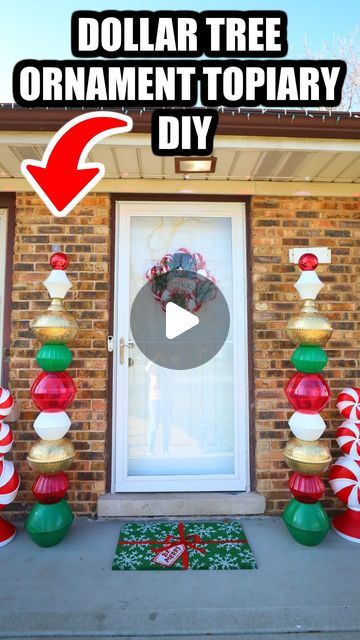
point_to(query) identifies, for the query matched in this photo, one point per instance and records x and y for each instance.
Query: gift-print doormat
(183, 545)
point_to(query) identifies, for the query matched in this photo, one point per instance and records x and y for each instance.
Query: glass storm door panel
(181, 430)
(3, 234)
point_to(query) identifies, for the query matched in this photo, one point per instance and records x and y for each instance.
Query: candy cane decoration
(9, 477)
(6, 439)
(348, 439)
(345, 481)
(6, 403)
(349, 403)
(344, 474)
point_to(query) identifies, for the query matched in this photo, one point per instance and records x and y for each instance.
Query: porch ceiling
(239, 158)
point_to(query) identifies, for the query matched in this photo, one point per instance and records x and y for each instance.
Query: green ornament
(309, 359)
(307, 523)
(48, 524)
(54, 357)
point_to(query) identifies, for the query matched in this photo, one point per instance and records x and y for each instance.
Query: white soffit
(239, 158)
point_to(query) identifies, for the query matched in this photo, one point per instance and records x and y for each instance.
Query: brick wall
(278, 224)
(85, 237)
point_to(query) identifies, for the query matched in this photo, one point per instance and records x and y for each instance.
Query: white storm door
(3, 236)
(180, 430)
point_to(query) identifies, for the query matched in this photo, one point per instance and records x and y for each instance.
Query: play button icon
(178, 320)
(185, 326)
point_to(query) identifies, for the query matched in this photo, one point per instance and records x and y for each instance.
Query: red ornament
(53, 391)
(59, 261)
(308, 262)
(48, 489)
(307, 392)
(306, 488)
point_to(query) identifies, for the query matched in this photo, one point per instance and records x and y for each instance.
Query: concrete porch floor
(69, 591)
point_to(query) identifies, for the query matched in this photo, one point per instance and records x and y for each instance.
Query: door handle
(124, 346)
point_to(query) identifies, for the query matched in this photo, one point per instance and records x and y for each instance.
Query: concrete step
(180, 504)
(344, 635)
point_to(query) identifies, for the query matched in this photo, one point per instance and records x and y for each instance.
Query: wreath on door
(182, 277)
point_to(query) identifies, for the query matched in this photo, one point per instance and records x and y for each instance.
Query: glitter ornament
(51, 456)
(308, 458)
(309, 327)
(55, 325)
(308, 262)
(59, 261)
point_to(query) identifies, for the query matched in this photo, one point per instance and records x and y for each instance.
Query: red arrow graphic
(62, 178)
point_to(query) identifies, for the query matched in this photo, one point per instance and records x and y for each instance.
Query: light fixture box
(323, 254)
(194, 164)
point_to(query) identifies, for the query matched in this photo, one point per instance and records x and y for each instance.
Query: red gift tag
(168, 557)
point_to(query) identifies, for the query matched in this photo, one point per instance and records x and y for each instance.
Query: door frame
(249, 433)
(7, 207)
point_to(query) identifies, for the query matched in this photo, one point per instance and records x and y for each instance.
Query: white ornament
(52, 425)
(307, 426)
(57, 284)
(308, 285)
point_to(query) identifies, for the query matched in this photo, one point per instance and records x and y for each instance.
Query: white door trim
(3, 252)
(240, 481)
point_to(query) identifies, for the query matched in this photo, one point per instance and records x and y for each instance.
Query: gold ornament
(309, 327)
(307, 457)
(51, 456)
(56, 325)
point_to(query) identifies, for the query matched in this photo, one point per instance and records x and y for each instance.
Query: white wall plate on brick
(323, 254)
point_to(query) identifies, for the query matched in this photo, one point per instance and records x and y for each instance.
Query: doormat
(153, 546)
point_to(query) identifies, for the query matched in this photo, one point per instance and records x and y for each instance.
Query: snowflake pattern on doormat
(162, 546)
